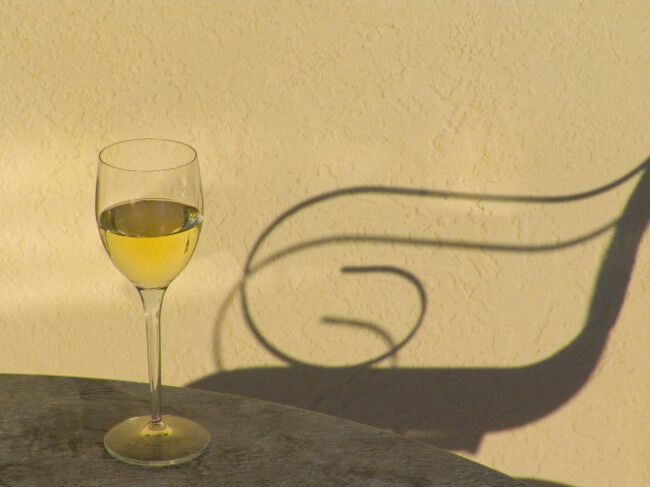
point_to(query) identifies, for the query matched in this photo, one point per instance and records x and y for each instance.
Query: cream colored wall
(285, 100)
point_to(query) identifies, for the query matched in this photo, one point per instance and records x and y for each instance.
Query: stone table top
(51, 431)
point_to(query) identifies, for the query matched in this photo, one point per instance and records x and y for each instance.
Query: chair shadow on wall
(455, 406)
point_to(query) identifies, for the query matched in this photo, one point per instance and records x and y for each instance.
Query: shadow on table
(543, 483)
(449, 407)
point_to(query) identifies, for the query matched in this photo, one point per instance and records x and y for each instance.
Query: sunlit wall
(480, 167)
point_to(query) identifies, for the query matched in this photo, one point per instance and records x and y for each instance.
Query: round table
(51, 432)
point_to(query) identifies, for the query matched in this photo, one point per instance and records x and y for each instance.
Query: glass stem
(152, 303)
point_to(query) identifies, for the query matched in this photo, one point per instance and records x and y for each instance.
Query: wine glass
(149, 212)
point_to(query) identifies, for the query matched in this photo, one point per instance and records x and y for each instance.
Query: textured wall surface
(480, 289)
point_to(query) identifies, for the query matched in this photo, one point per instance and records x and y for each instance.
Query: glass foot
(136, 441)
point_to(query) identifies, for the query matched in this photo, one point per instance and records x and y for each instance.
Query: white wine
(150, 240)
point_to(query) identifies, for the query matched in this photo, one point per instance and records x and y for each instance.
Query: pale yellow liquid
(150, 241)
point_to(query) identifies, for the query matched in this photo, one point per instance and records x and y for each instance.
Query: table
(51, 432)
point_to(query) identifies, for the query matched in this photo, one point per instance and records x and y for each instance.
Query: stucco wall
(493, 107)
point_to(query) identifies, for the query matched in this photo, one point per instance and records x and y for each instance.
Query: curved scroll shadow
(451, 407)
(393, 347)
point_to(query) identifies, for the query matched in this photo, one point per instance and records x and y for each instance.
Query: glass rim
(194, 156)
